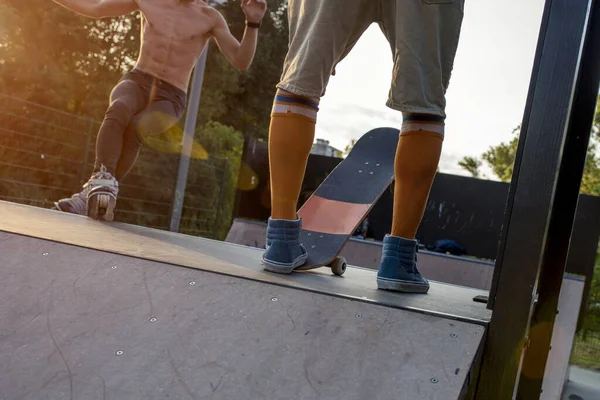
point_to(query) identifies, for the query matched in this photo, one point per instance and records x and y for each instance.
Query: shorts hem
(288, 87)
(416, 110)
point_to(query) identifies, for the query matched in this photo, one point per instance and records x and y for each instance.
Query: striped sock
(295, 105)
(291, 135)
(415, 123)
(417, 158)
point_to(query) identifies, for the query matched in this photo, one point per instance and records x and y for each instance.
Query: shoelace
(103, 174)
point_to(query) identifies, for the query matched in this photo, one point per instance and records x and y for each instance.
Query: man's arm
(239, 54)
(99, 8)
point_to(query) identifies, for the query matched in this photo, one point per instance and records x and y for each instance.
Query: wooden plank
(84, 324)
(443, 300)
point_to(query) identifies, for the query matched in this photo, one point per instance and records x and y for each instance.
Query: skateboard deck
(334, 211)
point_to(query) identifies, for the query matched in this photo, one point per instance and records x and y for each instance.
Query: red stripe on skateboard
(331, 216)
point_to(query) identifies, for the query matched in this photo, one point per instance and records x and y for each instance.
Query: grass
(586, 346)
(586, 352)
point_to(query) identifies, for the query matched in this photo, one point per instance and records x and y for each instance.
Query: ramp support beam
(542, 201)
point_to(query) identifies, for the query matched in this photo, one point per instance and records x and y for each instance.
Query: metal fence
(47, 154)
(586, 350)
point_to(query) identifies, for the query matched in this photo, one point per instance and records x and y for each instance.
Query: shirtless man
(423, 36)
(151, 98)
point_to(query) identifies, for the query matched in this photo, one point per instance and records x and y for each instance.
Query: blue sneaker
(398, 271)
(284, 252)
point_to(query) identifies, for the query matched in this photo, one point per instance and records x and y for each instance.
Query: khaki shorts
(423, 35)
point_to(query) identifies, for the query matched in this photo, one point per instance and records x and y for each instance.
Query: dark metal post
(220, 198)
(238, 192)
(86, 151)
(532, 195)
(188, 140)
(562, 217)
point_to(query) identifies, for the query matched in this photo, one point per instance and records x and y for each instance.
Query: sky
(487, 93)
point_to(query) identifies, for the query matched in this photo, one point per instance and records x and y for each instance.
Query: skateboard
(334, 211)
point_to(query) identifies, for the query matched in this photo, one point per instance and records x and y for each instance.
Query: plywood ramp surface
(453, 302)
(77, 323)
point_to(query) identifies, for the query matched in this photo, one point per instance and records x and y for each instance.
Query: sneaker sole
(401, 286)
(101, 206)
(57, 207)
(283, 268)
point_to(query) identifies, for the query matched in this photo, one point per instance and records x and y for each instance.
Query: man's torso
(172, 38)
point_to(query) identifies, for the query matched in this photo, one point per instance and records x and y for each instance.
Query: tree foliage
(500, 159)
(53, 57)
(243, 100)
(349, 147)
(228, 144)
(472, 165)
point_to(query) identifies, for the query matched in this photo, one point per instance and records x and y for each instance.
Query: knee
(133, 140)
(286, 103)
(149, 124)
(285, 93)
(119, 111)
(133, 134)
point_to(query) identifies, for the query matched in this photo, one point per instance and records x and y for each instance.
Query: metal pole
(532, 199)
(188, 140)
(220, 198)
(86, 151)
(563, 213)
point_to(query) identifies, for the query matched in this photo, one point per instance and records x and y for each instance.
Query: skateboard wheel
(338, 266)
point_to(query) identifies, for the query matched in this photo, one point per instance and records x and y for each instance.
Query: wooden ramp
(92, 310)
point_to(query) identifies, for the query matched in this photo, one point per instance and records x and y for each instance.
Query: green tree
(243, 99)
(56, 58)
(226, 143)
(472, 165)
(349, 147)
(500, 159)
(52, 56)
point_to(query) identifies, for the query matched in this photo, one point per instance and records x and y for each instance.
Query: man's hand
(254, 9)
(239, 54)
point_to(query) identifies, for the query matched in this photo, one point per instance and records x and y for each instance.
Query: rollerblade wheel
(100, 206)
(338, 266)
(103, 201)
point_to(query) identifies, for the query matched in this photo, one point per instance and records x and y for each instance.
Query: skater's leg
(322, 34)
(154, 119)
(291, 135)
(157, 118)
(424, 38)
(417, 157)
(126, 100)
